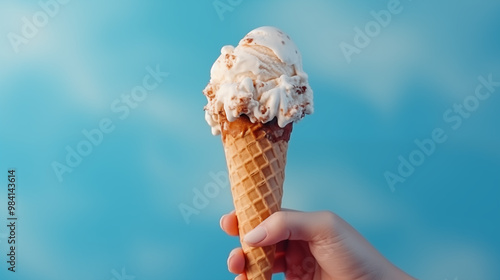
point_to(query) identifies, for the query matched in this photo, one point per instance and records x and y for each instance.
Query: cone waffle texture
(256, 158)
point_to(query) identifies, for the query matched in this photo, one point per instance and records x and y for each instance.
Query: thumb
(291, 225)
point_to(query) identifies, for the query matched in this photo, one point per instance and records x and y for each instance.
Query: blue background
(116, 215)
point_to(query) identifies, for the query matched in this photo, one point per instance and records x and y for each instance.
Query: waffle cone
(256, 158)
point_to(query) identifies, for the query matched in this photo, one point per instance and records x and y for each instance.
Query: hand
(317, 245)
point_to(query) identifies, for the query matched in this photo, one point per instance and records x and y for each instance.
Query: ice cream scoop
(261, 78)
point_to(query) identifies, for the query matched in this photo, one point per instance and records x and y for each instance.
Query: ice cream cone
(256, 158)
(257, 90)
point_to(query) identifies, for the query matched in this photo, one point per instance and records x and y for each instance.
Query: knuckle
(329, 219)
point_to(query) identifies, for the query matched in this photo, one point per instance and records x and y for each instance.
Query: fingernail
(256, 235)
(230, 256)
(220, 221)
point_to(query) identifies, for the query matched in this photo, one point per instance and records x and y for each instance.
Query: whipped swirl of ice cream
(261, 78)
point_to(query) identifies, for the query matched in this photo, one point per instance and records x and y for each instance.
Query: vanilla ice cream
(261, 78)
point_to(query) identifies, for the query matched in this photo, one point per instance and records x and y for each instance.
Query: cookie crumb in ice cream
(229, 60)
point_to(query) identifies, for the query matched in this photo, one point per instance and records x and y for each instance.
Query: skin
(313, 246)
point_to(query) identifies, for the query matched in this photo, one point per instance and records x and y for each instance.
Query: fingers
(236, 261)
(291, 225)
(229, 223)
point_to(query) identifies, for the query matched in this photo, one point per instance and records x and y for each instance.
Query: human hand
(316, 246)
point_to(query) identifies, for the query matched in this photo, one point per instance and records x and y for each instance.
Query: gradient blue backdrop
(116, 215)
